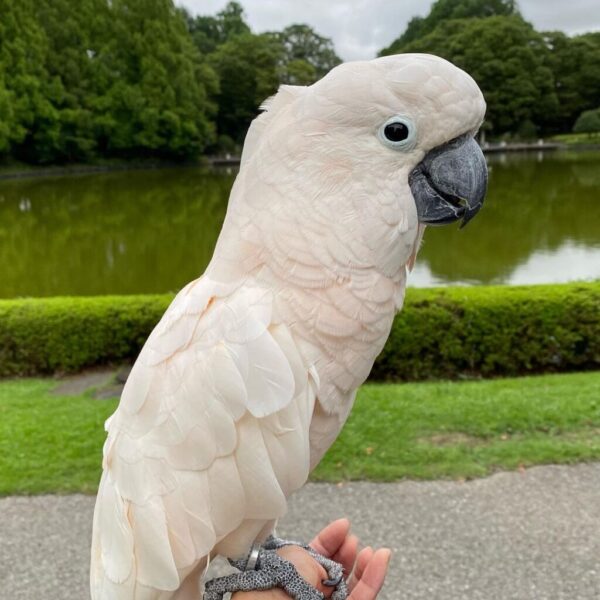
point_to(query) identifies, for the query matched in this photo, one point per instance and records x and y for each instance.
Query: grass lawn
(419, 430)
(576, 138)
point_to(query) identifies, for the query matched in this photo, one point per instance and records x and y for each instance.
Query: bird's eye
(397, 133)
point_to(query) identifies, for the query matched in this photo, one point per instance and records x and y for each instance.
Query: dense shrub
(443, 333)
(67, 334)
(488, 331)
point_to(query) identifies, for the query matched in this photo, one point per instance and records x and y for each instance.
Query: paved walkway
(522, 536)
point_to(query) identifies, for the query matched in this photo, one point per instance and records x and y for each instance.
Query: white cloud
(360, 28)
(574, 16)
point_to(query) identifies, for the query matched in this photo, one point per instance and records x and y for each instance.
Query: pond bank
(23, 171)
(229, 160)
(29, 171)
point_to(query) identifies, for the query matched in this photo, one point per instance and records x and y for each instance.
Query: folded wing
(210, 437)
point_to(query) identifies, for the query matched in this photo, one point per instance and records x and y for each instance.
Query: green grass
(419, 430)
(574, 139)
(49, 443)
(467, 429)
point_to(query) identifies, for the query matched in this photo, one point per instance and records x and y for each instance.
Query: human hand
(366, 569)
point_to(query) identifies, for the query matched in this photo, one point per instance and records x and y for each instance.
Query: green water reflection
(540, 223)
(152, 231)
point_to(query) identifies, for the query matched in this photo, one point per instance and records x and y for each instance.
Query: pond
(153, 231)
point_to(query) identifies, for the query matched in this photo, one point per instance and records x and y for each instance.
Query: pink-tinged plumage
(252, 371)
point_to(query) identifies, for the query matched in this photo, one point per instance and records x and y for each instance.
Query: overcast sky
(359, 28)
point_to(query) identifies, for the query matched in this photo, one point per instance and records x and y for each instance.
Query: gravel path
(531, 535)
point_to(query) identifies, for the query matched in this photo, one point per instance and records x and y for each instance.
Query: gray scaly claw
(264, 569)
(335, 572)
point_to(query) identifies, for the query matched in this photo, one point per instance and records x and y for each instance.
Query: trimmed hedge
(490, 331)
(59, 335)
(441, 333)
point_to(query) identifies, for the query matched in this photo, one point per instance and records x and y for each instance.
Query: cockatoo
(252, 371)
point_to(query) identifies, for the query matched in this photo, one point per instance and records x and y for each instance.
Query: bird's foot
(335, 572)
(264, 569)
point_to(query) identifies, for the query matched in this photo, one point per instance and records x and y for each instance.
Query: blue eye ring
(398, 133)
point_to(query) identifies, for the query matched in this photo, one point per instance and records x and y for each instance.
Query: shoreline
(8, 172)
(25, 172)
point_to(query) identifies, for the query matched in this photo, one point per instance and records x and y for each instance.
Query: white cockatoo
(251, 373)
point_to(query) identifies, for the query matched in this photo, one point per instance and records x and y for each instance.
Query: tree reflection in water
(153, 231)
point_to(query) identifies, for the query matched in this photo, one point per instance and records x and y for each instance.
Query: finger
(362, 560)
(346, 555)
(371, 582)
(329, 540)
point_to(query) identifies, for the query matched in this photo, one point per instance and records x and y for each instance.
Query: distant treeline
(88, 79)
(82, 80)
(535, 83)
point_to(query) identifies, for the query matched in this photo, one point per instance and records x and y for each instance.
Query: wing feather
(154, 554)
(210, 436)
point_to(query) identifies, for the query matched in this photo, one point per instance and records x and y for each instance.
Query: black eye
(396, 132)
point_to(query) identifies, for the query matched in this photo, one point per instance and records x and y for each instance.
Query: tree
(250, 67)
(298, 72)
(74, 38)
(209, 32)
(158, 88)
(305, 55)
(247, 69)
(507, 58)
(588, 122)
(6, 118)
(533, 82)
(575, 63)
(445, 10)
(26, 93)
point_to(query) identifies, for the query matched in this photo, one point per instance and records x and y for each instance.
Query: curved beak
(450, 183)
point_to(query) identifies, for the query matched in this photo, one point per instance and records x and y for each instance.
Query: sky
(360, 28)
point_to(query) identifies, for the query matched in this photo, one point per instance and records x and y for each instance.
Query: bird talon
(333, 582)
(264, 569)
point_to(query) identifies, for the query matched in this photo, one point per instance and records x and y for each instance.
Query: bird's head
(409, 115)
(360, 161)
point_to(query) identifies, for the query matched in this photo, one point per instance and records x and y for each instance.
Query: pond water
(153, 231)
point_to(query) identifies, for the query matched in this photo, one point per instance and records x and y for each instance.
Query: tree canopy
(444, 10)
(93, 79)
(304, 55)
(251, 66)
(588, 122)
(534, 83)
(575, 65)
(507, 58)
(101, 78)
(139, 78)
(247, 69)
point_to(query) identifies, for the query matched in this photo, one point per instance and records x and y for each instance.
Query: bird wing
(210, 437)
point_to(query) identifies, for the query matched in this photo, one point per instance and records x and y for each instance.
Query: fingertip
(343, 522)
(365, 555)
(386, 553)
(331, 537)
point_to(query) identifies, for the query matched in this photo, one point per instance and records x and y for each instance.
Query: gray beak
(449, 184)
